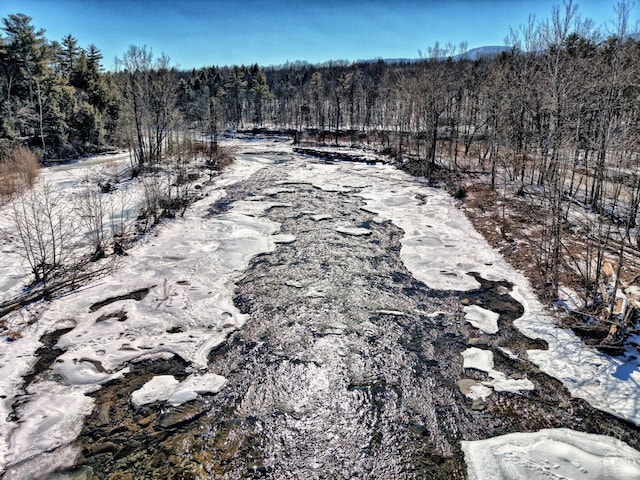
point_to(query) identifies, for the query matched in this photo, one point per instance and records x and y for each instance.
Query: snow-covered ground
(190, 266)
(70, 181)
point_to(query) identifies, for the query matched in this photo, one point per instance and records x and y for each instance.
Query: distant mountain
(481, 52)
(473, 54)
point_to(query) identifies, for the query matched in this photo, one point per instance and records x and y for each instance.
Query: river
(347, 365)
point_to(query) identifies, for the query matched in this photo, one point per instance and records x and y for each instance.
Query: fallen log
(50, 290)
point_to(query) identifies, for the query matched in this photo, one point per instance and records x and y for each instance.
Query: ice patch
(481, 318)
(53, 417)
(320, 216)
(355, 231)
(165, 388)
(482, 360)
(283, 239)
(394, 313)
(158, 389)
(551, 454)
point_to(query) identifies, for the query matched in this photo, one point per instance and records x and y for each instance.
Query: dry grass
(19, 170)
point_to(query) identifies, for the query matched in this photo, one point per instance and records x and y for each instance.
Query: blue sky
(195, 33)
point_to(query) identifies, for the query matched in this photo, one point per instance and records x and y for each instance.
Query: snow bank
(51, 417)
(68, 180)
(551, 454)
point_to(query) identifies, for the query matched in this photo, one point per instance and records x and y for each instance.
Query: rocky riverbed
(347, 365)
(346, 347)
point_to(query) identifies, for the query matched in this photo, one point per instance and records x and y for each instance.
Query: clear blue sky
(196, 33)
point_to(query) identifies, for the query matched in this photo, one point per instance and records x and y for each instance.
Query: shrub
(460, 193)
(19, 170)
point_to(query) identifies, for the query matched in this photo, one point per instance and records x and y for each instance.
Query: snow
(320, 216)
(482, 360)
(159, 388)
(52, 418)
(165, 388)
(481, 318)
(551, 454)
(569, 299)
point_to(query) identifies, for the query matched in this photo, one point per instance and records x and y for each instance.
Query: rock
(258, 468)
(80, 473)
(144, 421)
(478, 404)
(100, 448)
(121, 316)
(182, 414)
(137, 295)
(465, 385)
(103, 417)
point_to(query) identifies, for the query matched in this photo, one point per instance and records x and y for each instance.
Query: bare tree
(149, 90)
(92, 209)
(45, 231)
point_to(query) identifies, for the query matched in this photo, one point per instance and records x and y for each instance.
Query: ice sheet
(551, 454)
(482, 360)
(481, 318)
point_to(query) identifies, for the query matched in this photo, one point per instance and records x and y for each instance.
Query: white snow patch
(609, 384)
(165, 388)
(478, 358)
(569, 299)
(551, 454)
(283, 239)
(479, 392)
(483, 360)
(158, 389)
(40, 466)
(481, 318)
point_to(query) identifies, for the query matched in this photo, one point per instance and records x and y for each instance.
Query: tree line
(554, 116)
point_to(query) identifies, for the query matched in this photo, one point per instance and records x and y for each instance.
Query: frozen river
(314, 320)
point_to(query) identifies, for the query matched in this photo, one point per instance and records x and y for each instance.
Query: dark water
(346, 368)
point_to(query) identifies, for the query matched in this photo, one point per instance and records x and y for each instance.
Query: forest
(544, 137)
